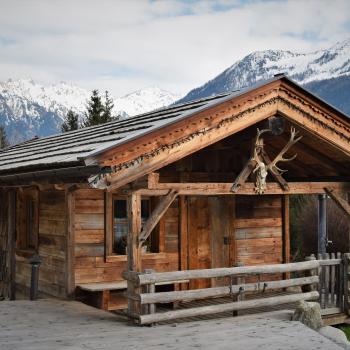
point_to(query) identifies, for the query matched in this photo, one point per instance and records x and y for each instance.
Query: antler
(258, 143)
(279, 158)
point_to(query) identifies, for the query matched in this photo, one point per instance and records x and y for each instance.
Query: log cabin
(198, 185)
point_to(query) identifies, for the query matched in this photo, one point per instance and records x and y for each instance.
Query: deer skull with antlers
(262, 168)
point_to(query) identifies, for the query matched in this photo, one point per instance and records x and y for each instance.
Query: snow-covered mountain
(144, 100)
(316, 70)
(29, 109)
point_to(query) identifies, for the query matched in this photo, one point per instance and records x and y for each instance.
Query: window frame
(27, 240)
(110, 256)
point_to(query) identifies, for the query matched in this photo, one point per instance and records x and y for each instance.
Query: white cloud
(177, 45)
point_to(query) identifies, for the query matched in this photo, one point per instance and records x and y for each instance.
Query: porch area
(56, 324)
(241, 290)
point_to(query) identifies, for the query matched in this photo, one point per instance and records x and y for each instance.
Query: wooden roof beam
(338, 200)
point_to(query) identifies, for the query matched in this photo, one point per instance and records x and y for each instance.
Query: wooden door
(210, 235)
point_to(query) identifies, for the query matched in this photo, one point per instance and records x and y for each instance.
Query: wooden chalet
(194, 186)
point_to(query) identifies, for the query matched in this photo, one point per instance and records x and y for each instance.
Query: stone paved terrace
(55, 324)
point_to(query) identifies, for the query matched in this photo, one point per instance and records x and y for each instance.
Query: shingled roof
(72, 148)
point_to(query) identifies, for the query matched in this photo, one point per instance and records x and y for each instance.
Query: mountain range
(29, 109)
(324, 72)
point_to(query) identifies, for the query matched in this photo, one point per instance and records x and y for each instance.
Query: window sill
(115, 258)
(26, 253)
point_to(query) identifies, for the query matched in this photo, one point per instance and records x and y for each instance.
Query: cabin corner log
(142, 279)
(234, 306)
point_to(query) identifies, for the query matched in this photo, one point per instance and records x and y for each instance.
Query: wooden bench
(110, 296)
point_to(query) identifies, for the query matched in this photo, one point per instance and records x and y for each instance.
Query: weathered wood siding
(51, 246)
(4, 247)
(89, 232)
(258, 229)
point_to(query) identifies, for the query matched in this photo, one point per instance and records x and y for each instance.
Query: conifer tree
(3, 138)
(71, 122)
(107, 108)
(95, 110)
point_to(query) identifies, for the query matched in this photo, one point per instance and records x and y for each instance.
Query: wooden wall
(51, 246)
(258, 229)
(7, 243)
(90, 263)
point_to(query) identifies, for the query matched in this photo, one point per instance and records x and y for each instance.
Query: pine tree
(71, 122)
(107, 109)
(95, 110)
(3, 138)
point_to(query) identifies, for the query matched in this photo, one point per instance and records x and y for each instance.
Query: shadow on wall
(304, 227)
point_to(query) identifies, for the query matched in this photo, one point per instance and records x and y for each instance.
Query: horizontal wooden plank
(248, 188)
(89, 250)
(89, 194)
(243, 223)
(89, 236)
(258, 232)
(52, 226)
(93, 206)
(219, 272)
(89, 221)
(238, 305)
(195, 294)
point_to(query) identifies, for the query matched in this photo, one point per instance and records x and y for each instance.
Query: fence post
(321, 287)
(308, 273)
(150, 288)
(326, 281)
(340, 273)
(239, 280)
(346, 258)
(332, 286)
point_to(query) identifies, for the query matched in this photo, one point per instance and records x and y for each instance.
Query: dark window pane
(120, 226)
(145, 208)
(120, 208)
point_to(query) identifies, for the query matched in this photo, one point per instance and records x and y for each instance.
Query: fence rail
(142, 296)
(333, 284)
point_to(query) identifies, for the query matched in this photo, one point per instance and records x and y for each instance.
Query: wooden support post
(322, 223)
(70, 257)
(156, 215)
(134, 250)
(12, 242)
(183, 236)
(339, 201)
(346, 259)
(286, 232)
(243, 175)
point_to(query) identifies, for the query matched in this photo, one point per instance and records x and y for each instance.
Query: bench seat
(111, 295)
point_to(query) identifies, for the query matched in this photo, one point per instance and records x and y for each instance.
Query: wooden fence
(142, 296)
(333, 282)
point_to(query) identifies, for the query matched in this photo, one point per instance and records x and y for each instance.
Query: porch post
(134, 251)
(322, 223)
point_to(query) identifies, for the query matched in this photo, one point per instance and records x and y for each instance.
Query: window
(30, 222)
(120, 226)
(27, 225)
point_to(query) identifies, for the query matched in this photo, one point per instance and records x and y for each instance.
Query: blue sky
(125, 45)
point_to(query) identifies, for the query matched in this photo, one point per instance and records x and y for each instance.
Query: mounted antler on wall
(260, 163)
